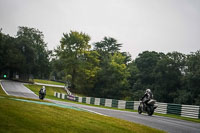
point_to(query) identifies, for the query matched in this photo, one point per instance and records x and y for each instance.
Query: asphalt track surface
(170, 125)
(17, 89)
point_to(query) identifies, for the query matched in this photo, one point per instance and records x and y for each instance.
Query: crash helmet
(43, 87)
(148, 90)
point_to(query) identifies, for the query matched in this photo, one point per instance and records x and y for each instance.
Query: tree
(72, 48)
(112, 78)
(76, 59)
(193, 76)
(89, 67)
(161, 73)
(107, 46)
(35, 50)
(146, 63)
(11, 56)
(127, 57)
(135, 89)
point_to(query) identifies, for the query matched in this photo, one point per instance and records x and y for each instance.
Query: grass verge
(50, 94)
(18, 116)
(2, 91)
(49, 90)
(47, 82)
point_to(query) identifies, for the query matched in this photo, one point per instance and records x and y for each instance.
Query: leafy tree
(193, 76)
(72, 48)
(146, 63)
(184, 97)
(168, 77)
(135, 89)
(89, 67)
(162, 73)
(112, 78)
(35, 50)
(127, 57)
(107, 46)
(76, 59)
(11, 56)
(25, 54)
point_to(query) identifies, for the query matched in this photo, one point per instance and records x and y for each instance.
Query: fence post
(121, 104)
(102, 101)
(174, 109)
(129, 105)
(88, 100)
(83, 99)
(92, 100)
(76, 99)
(80, 99)
(108, 102)
(97, 101)
(114, 103)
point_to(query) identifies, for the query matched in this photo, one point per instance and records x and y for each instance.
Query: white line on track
(93, 112)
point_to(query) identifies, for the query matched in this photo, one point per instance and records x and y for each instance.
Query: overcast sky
(154, 25)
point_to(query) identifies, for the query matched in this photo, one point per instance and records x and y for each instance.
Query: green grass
(48, 82)
(49, 90)
(2, 91)
(17, 116)
(53, 83)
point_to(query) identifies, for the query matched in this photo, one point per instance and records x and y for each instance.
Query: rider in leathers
(42, 91)
(147, 97)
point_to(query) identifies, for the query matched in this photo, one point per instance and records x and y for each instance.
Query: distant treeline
(24, 55)
(102, 70)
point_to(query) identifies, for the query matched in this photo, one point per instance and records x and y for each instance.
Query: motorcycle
(147, 108)
(41, 95)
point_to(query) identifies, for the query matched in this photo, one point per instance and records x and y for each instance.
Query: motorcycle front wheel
(41, 97)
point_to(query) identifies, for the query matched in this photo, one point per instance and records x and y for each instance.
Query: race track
(163, 123)
(17, 89)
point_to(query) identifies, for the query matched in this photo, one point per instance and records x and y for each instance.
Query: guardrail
(190, 111)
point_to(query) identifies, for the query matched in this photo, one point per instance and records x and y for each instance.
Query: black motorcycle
(41, 95)
(147, 108)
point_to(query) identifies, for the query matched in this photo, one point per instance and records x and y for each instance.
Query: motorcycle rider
(147, 97)
(42, 91)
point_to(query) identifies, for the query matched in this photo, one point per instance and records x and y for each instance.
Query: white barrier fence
(190, 111)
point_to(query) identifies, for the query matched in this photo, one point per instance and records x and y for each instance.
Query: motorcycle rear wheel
(139, 110)
(150, 111)
(41, 97)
